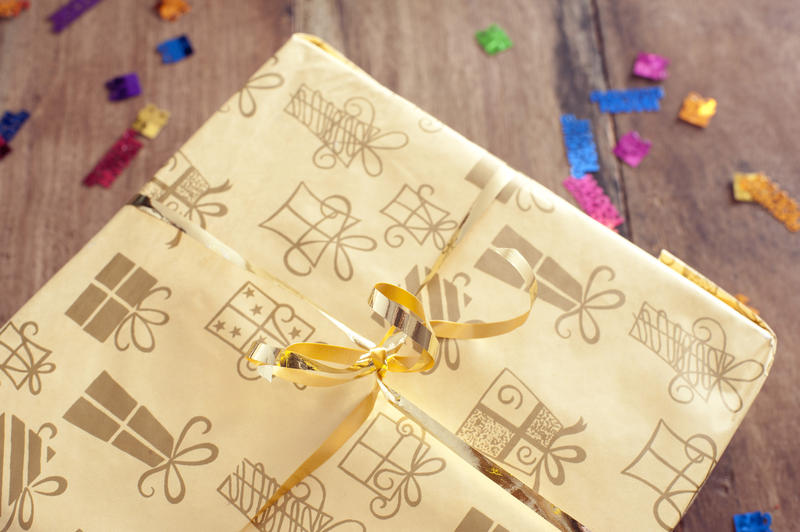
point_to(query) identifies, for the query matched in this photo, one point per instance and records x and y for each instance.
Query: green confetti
(493, 39)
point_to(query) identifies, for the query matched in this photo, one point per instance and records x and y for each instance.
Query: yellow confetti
(150, 121)
(697, 110)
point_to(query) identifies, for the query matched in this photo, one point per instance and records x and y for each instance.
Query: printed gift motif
(346, 133)
(389, 458)
(675, 468)
(484, 170)
(511, 425)
(24, 453)
(22, 360)
(312, 225)
(116, 301)
(259, 81)
(188, 195)
(556, 285)
(417, 217)
(249, 487)
(699, 358)
(252, 316)
(445, 298)
(109, 413)
(477, 521)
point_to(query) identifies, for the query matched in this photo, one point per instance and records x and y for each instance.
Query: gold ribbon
(309, 364)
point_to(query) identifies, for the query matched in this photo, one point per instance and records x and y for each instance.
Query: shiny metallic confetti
(628, 100)
(172, 10)
(69, 12)
(114, 161)
(697, 110)
(175, 50)
(581, 149)
(123, 87)
(651, 66)
(769, 195)
(11, 122)
(493, 39)
(593, 200)
(753, 522)
(632, 148)
(740, 180)
(150, 121)
(5, 149)
(12, 8)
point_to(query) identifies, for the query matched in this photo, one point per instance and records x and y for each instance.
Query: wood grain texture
(678, 198)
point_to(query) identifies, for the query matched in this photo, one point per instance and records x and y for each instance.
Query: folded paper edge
(703, 282)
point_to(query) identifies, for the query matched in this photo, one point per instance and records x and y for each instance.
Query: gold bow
(314, 364)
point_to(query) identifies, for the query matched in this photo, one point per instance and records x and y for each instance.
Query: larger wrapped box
(128, 403)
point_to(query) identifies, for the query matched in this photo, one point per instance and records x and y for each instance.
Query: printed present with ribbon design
(208, 361)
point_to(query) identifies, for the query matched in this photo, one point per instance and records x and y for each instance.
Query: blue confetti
(629, 100)
(175, 49)
(753, 522)
(11, 122)
(581, 149)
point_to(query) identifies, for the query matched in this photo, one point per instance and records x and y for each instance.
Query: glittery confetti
(11, 122)
(628, 100)
(5, 149)
(493, 39)
(632, 148)
(753, 522)
(114, 161)
(12, 8)
(150, 121)
(766, 193)
(581, 149)
(744, 300)
(175, 50)
(651, 66)
(593, 201)
(123, 87)
(69, 12)
(697, 110)
(740, 180)
(172, 10)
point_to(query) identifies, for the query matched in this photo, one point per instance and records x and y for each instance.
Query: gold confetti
(697, 110)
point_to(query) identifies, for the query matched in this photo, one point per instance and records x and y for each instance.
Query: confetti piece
(12, 8)
(172, 10)
(123, 87)
(593, 201)
(651, 66)
(629, 100)
(740, 192)
(69, 12)
(11, 122)
(114, 161)
(744, 300)
(771, 197)
(753, 522)
(5, 149)
(493, 39)
(175, 50)
(581, 149)
(697, 110)
(150, 121)
(632, 148)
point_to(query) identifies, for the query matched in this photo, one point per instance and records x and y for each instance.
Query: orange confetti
(772, 198)
(697, 110)
(12, 8)
(172, 10)
(744, 300)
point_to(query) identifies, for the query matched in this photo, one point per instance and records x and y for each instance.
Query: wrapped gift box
(128, 402)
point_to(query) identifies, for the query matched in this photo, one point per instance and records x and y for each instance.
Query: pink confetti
(632, 148)
(593, 200)
(651, 66)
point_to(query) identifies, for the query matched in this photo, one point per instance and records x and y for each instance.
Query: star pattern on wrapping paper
(220, 325)
(256, 310)
(249, 292)
(294, 333)
(236, 331)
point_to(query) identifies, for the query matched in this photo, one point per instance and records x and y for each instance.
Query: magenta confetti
(632, 148)
(651, 66)
(593, 201)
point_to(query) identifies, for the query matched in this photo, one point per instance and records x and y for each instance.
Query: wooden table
(679, 198)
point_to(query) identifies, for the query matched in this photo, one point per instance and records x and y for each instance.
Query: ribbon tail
(346, 429)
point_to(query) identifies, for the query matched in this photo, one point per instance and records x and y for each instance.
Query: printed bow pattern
(22, 360)
(260, 81)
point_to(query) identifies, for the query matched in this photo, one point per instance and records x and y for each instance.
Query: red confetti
(114, 161)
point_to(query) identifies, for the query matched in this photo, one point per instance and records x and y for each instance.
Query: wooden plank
(680, 199)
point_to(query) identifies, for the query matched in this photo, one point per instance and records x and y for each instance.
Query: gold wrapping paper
(127, 403)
